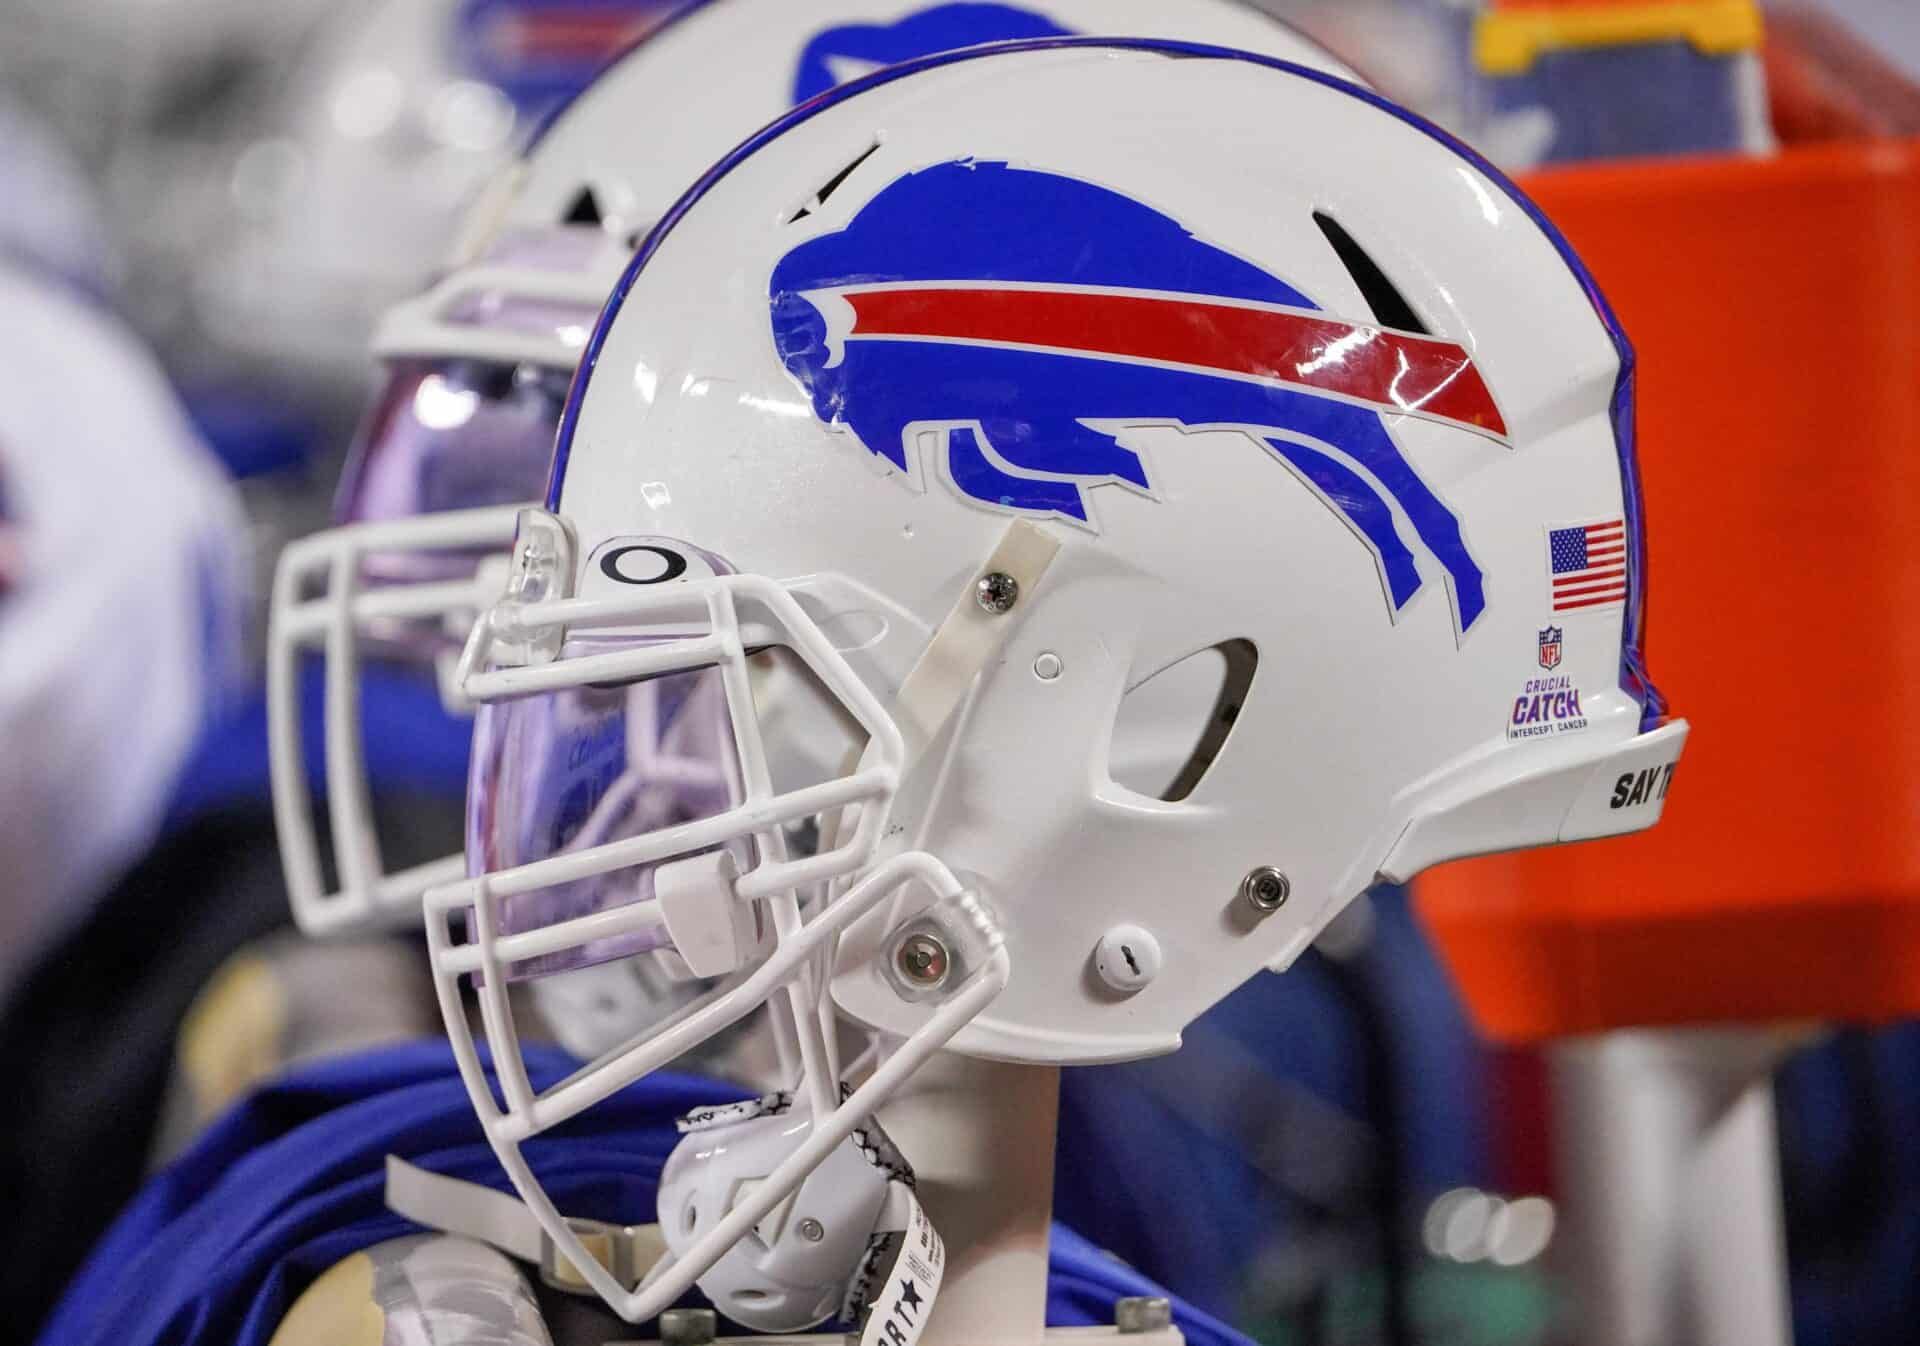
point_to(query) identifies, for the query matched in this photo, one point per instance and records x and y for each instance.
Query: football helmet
(479, 363)
(993, 391)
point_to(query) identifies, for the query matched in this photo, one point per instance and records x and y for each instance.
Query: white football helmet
(996, 390)
(479, 363)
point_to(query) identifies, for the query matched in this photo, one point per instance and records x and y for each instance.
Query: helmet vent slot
(833, 184)
(1174, 723)
(1390, 307)
(585, 209)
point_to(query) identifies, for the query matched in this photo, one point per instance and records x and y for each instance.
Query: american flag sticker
(1588, 563)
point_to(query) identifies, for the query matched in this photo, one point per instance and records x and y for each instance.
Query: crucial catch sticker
(1547, 706)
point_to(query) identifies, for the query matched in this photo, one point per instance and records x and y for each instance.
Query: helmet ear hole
(1174, 723)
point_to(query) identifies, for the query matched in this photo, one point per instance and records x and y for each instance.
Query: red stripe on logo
(1393, 370)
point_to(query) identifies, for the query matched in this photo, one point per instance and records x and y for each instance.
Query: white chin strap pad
(793, 1270)
(455, 1206)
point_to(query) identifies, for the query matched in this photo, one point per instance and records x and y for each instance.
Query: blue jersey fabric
(1176, 1160)
(220, 1244)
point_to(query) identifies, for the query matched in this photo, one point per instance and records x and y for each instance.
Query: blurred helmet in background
(478, 365)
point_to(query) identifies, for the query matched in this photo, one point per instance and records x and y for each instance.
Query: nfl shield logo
(1550, 648)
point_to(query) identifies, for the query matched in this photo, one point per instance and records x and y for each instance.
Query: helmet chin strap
(895, 1259)
(455, 1206)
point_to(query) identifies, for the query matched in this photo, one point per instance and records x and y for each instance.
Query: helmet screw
(997, 592)
(1127, 958)
(1266, 890)
(1139, 1314)
(811, 1230)
(922, 960)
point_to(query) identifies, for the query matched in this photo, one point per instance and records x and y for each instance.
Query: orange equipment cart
(1775, 304)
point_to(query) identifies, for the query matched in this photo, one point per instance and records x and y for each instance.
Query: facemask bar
(527, 1115)
(321, 603)
(709, 612)
(423, 327)
(533, 631)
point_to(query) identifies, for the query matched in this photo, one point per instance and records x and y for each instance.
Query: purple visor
(564, 772)
(478, 368)
(448, 435)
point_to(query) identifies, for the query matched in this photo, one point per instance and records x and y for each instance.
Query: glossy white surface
(655, 122)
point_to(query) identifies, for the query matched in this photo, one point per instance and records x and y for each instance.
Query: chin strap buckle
(455, 1206)
(626, 1252)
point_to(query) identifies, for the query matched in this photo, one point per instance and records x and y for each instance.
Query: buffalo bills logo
(852, 50)
(1018, 340)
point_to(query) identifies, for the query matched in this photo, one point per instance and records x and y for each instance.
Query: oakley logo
(643, 563)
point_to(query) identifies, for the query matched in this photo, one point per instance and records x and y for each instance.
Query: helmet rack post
(980, 1135)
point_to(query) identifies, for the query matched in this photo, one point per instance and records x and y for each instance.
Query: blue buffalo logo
(1015, 343)
(840, 54)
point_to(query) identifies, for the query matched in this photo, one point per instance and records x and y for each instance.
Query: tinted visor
(448, 435)
(563, 772)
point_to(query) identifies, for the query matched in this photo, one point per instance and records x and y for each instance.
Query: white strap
(455, 1206)
(892, 1294)
(963, 645)
(971, 637)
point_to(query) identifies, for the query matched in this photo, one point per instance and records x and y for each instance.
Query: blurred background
(205, 207)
